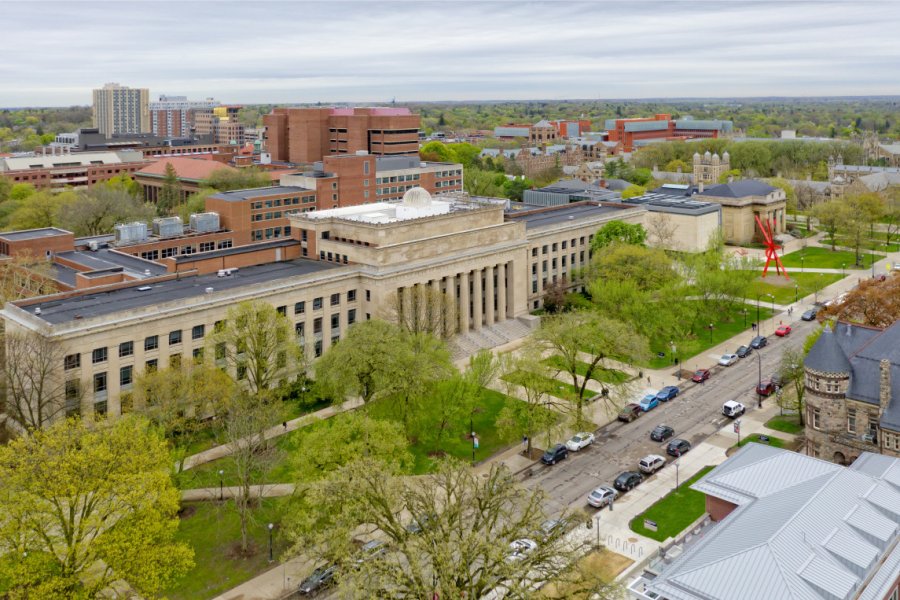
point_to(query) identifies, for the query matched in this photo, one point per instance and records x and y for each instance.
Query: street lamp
(271, 556)
(801, 263)
(710, 332)
(221, 482)
(842, 268)
(796, 292)
(744, 312)
(759, 378)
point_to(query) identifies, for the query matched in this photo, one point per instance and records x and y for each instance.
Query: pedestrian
(284, 424)
(648, 380)
(753, 326)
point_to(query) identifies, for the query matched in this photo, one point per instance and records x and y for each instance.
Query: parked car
(370, 550)
(579, 441)
(628, 480)
(630, 412)
(758, 342)
(319, 579)
(783, 330)
(418, 523)
(728, 359)
(661, 433)
(765, 387)
(651, 463)
(519, 549)
(733, 409)
(810, 315)
(555, 454)
(667, 393)
(602, 496)
(678, 447)
(776, 381)
(548, 527)
(700, 375)
(649, 402)
(744, 351)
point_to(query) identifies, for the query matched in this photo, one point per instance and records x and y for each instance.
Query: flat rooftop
(275, 190)
(98, 304)
(106, 258)
(33, 234)
(659, 202)
(563, 214)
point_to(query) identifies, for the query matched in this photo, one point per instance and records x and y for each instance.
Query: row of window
(271, 233)
(282, 202)
(448, 183)
(318, 303)
(186, 250)
(269, 216)
(336, 258)
(396, 178)
(563, 245)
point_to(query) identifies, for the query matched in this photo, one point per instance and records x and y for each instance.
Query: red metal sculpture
(771, 247)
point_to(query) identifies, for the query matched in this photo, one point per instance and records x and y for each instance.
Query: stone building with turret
(853, 392)
(710, 167)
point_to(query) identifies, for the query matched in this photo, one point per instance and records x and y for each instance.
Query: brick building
(307, 135)
(190, 171)
(633, 133)
(120, 109)
(220, 124)
(173, 116)
(76, 171)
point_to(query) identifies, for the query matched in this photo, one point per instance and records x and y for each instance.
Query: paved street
(695, 415)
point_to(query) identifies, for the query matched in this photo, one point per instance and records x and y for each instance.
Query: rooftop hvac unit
(168, 227)
(130, 233)
(205, 222)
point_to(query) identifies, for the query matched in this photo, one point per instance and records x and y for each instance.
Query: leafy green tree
(514, 189)
(633, 191)
(790, 193)
(734, 174)
(196, 203)
(619, 232)
(5, 188)
(169, 193)
(831, 216)
(20, 191)
(528, 378)
(675, 164)
(124, 182)
(862, 211)
(223, 179)
(484, 183)
(640, 177)
(41, 209)
(792, 372)
(97, 210)
(84, 506)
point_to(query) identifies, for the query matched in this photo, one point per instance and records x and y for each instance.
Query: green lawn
(816, 257)
(611, 376)
(213, 531)
(554, 387)
(784, 290)
(678, 509)
(867, 245)
(726, 324)
(754, 437)
(786, 423)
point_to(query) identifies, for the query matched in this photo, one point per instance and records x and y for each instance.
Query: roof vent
(37, 310)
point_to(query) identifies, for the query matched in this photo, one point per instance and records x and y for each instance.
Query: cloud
(55, 53)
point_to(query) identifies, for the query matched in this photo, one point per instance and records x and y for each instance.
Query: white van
(733, 409)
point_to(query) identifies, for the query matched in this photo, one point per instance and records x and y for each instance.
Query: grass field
(213, 531)
(784, 290)
(786, 423)
(880, 245)
(816, 257)
(611, 376)
(673, 513)
(554, 387)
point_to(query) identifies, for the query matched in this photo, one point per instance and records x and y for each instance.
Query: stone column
(477, 299)
(489, 296)
(435, 309)
(501, 292)
(511, 290)
(463, 302)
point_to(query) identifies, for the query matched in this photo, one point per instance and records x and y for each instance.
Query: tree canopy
(619, 232)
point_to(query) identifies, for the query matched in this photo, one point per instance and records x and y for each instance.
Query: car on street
(602, 496)
(733, 409)
(651, 463)
(744, 351)
(700, 375)
(678, 447)
(520, 548)
(650, 401)
(555, 454)
(628, 480)
(728, 359)
(810, 315)
(548, 527)
(783, 330)
(370, 550)
(758, 342)
(765, 387)
(630, 412)
(321, 578)
(579, 441)
(661, 433)
(667, 393)
(776, 381)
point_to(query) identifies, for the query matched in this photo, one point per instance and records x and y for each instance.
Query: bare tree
(527, 378)
(35, 392)
(792, 372)
(424, 309)
(25, 276)
(661, 231)
(98, 209)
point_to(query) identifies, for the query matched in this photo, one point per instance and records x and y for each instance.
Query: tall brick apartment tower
(304, 135)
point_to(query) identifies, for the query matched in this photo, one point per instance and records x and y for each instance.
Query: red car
(700, 375)
(783, 330)
(765, 388)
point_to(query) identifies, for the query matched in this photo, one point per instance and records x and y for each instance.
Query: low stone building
(853, 392)
(709, 168)
(741, 202)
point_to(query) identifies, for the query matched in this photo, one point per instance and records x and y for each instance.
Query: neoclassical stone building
(853, 393)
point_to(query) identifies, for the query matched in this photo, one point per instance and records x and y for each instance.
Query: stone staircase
(467, 344)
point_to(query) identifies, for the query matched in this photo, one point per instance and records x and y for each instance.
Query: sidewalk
(272, 490)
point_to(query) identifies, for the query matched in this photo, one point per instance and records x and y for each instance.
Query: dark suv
(319, 579)
(759, 342)
(627, 480)
(630, 412)
(555, 454)
(661, 433)
(678, 447)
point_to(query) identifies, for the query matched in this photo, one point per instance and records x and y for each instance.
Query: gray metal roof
(563, 214)
(740, 189)
(276, 190)
(806, 530)
(32, 234)
(826, 355)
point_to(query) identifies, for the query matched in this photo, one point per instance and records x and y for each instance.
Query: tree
(225, 179)
(363, 363)
(514, 189)
(424, 309)
(99, 208)
(457, 544)
(124, 182)
(169, 193)
(733, 174)
(527, 372)
(483, 183)
(258, 344)
(582, 341)
(21, 191)
(35, 393)
(661, 231)
(619, 232)
(41, 209)
(633, 191)
(860, 215)
(5, 188)
(424, 360)
(891, 218)
(790, 193)
(555, 292)
(792, 372)
(24, 276)
(196, 203)
(831, 216)
(873, 303)
(84, 506)
(676, 165)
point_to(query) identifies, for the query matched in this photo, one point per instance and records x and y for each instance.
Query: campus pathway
(272, 490)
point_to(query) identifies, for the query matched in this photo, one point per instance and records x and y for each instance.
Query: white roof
(50, 161)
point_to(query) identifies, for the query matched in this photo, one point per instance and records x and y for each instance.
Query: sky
(53, 54)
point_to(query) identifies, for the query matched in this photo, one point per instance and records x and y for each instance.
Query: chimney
(700, 188)
(884, 388)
